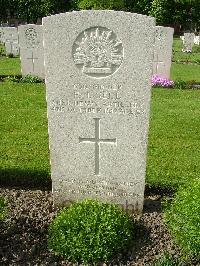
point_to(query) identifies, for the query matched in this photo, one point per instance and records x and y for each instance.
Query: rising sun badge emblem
(97, 52)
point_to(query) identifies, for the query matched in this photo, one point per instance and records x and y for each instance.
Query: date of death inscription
(105, 100)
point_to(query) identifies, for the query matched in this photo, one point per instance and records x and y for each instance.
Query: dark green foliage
(30, 79)
(2, 208)
(12, 78)
(90, 231)
(138, 6)
(183, 219)
(182, 12)
(181, 84)
(100, 4)
(10, 55)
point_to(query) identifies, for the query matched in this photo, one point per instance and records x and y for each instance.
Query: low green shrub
(181, 85)
(183, 219)
(90, 232)
(167, 260)
(12, 78)
(2, 208)
(31, 79)
(185, 85)
(10, 55)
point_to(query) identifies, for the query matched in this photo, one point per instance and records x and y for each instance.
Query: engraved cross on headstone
(33, 60)
(11, 40)
(158, 62)
(97, 140)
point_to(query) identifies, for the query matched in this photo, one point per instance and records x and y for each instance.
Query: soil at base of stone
(23, 238)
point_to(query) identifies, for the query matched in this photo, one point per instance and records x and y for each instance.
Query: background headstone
(163, 51)
(188, 42)
(98, 67)
(31, 49)
(11, 40)
(2, 35)
(197, 40)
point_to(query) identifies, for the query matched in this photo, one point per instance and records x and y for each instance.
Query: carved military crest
(97, 52)
(31, 37)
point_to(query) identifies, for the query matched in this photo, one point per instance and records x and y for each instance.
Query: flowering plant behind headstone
(159, 81)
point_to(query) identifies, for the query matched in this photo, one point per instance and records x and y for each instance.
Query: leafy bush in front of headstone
(31, 79)
(183, 219)
(90, 231)
(2, 208)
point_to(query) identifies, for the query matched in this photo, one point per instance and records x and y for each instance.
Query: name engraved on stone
(97, 52)
(32, 58)
(31, 38)
(97, 140)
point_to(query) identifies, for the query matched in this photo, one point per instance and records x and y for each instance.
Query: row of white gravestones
(163, 51)
(98, 67)
(28, 39)
(189, 39)
(32, 58)
(31, 50)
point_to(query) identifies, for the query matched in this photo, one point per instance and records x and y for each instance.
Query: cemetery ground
(173, 161)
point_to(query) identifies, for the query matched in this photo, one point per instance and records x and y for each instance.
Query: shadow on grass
(23, 179)
(151, 190)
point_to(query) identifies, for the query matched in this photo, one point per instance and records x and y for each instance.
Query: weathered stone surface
(98, 77)
(31, 50)
(197, 40)
(2, 35)
(11, 40)
(163, 51)
(188, 42)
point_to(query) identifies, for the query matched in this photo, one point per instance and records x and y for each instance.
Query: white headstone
(182, 38)
(11, 40)
(197, 40)
(2, 35)
(31, 50)
(163, 51)
(188, 42)
(98, 77)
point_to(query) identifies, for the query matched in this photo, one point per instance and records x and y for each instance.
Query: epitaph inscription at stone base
(163, 51)
(11, 40)
(98, 71)
(31, 50)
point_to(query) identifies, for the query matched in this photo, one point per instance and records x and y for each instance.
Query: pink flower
(159, 81)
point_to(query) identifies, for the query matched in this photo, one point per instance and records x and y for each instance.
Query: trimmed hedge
(90, 231)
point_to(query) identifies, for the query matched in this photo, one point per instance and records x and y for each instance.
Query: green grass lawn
(24, 153)
(174, 137)
(10, 66)
(185, 72)
(185, 66)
